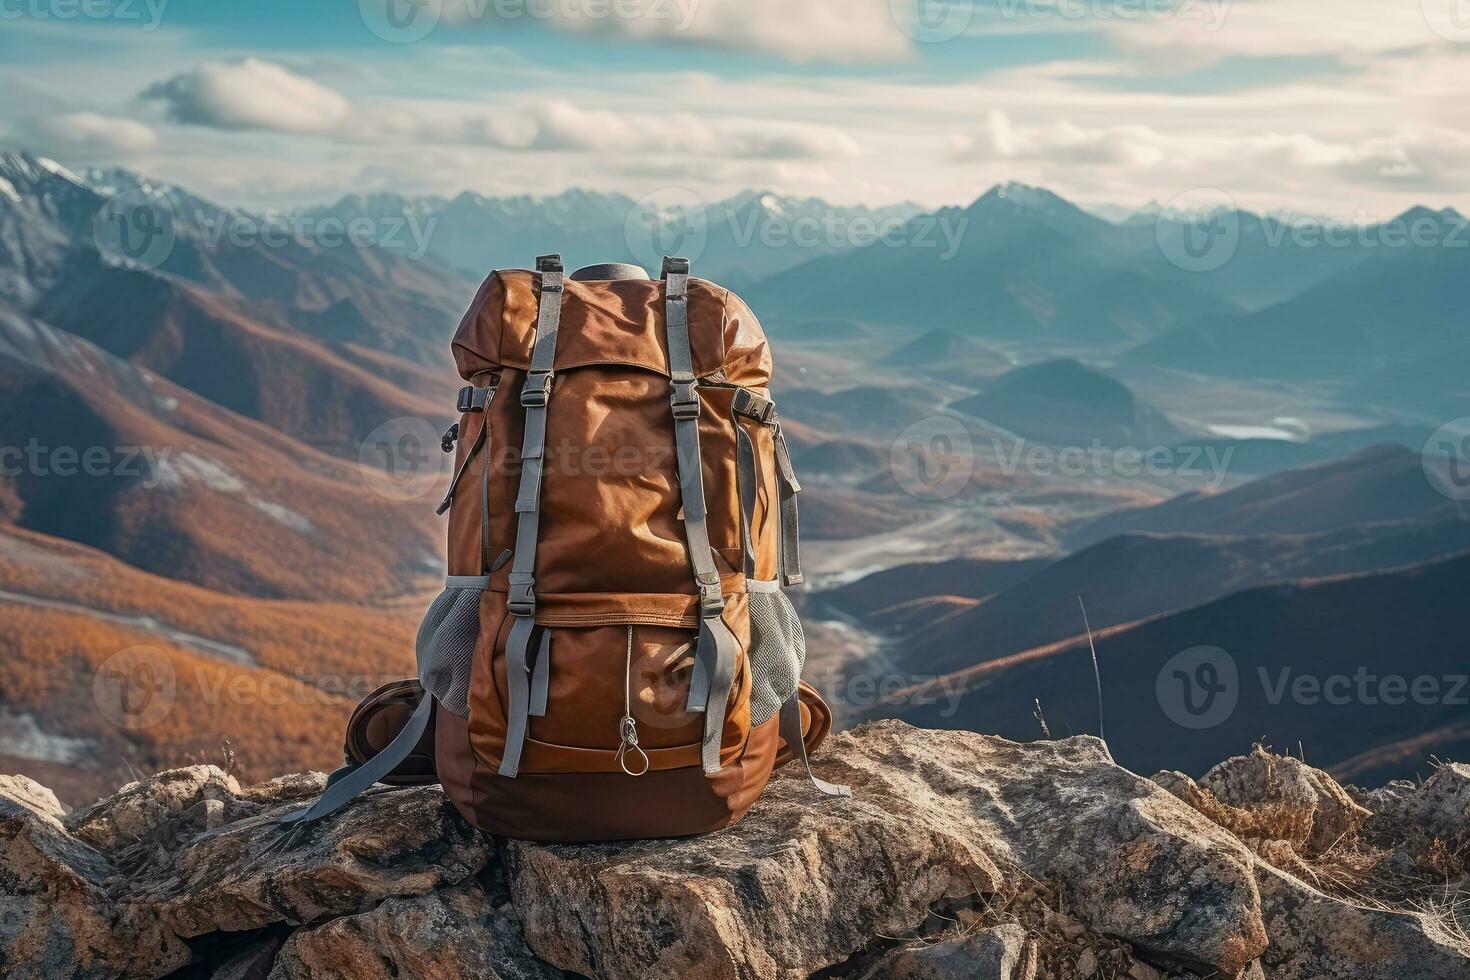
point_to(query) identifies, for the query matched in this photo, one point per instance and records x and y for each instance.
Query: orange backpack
(612, 656)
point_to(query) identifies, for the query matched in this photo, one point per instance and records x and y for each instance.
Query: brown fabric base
(554, 807)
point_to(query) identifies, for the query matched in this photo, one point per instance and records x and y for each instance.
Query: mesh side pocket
(446, 647)
(777, 650)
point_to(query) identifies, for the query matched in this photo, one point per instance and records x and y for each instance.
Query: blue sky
(1354, 108)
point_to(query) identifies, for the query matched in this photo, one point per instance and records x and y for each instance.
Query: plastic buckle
(711, 600)
(763, 410)
(537, 391)
(675, 266)
(472, 399)
(686, 401)
(520, 599)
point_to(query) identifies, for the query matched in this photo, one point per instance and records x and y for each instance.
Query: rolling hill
(1346, 636)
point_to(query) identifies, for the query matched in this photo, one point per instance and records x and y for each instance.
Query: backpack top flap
(617, 321)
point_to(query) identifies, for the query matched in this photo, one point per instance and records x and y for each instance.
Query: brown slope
(269, 681)
(1397, 623)
(1136, 576)
(1381, 483)
(210, 344)
(224, 502)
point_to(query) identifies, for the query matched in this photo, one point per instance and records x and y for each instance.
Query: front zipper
(628, 725)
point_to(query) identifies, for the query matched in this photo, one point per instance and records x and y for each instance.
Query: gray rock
(1310, 809)
(1442, 804)
(254, 873)
(804, 881)
(999, 953)
(445, 935)
(1314, 936)
(56, 916)
(32, 794)
(140, 809)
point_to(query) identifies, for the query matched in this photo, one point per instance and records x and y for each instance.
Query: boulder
(1306, 806)
(805, 880)
(1002, 952)
(449, 935)
(960, 855)
(255, 872)
(1441, 807)
(57, 918)
(141, 808)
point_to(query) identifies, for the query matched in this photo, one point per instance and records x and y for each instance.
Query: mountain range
(267, 410)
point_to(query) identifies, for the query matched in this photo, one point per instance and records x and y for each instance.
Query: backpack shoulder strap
(716, 653)
(521, 600)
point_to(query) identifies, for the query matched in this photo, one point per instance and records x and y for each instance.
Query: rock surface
(960, 855)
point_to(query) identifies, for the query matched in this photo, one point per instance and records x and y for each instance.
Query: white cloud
(89, 135)
(250, 94)
(1351, 30)
(796, 30)
(560, 126)
(1062, 142)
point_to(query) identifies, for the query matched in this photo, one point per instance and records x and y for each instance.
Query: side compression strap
(717, 652)
(521, 602)
(790, 522)
(791, 734)
(746, 479)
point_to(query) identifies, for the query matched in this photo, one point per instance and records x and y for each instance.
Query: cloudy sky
(1342, 107)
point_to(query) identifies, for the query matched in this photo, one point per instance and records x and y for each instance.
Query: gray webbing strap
(716, 654)
(746, 479)
(791, 734)
(790, 520)
(345, 788)
(541, 675)
(521, 600)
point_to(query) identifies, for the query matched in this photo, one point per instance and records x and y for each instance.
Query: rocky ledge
(960, 856)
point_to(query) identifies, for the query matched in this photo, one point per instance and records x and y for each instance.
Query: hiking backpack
(612, 656)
